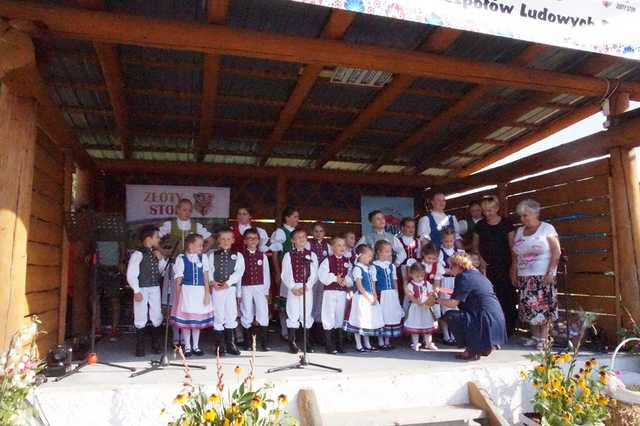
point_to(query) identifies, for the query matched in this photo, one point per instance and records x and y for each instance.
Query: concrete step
(448, 415)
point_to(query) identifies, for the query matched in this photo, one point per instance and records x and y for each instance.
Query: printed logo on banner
(393, 208)
(203, 202)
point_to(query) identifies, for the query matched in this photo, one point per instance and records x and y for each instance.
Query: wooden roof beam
(339, 22)
(594, 65)
(438, 42)
(444, 118)
(108, 27)
(107, 55)
(210, 169)
(216, 14)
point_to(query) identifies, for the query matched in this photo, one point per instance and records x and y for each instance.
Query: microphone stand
(163, 362)
(303, 362)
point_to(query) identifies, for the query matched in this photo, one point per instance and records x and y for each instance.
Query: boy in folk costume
(143, 276)
(320, 246)
(334, 275)
(299, 273)
(244, 222)
(281, 244)
(227, 267)
(256, 281)
(175, 231)
(378, 223)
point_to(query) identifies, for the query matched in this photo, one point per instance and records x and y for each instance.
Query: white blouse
(533, 251)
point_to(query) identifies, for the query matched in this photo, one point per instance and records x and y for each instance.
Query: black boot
(308, 341)
(339, 335)
(156, 346)
(230, 341)
(293, 348)
(263, 337)
(328, 339)
(247, 334)
(140, 342)
(218, 342)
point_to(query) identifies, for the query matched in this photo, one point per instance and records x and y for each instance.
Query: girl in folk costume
(193, 310)
(282, 244)
(411, 246)
(320, 246)
(365, 318)
(387, 287)
(175, 231)
(299, 274)
(430, 225)
(255, 291)
(226, 269)
(243, 222)
(421, 320)
(447, 250)
(334, 275)
(434, 270)
(378, 223)
(143, 276)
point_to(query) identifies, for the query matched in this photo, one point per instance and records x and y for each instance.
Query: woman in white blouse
(536, 252)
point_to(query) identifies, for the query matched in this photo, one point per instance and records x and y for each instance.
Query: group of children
(378, 287)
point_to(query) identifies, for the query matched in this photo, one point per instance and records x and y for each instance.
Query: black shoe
(328, 338)
(449, 342)
(140, 342)
(188, 353)
(247, 334)
(263, 338)
(198, 352)
(218, 342)
(155, 339)
(339, 335)
(230, 341)
(362, 350)
(293, 347)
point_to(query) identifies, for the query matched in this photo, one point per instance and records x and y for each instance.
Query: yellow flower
(237, 370)
(277, 413)
(282, 400)
(185, 422)
(238, 421)
(603, 380)
(588, 364)
(523, 374)
(215, 398)
(256, 402)
(536, 383)
(542, 394)
(540, 369)
(226, 422)
(586, 391)
(181, 398)
(579, 409)
(568, 417)
(603, 400)
(210, 415)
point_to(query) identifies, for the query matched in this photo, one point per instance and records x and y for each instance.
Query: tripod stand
(303, 362)
(89, 226)
(163, 362)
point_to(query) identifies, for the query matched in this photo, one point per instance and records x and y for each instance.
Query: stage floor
(392, 380)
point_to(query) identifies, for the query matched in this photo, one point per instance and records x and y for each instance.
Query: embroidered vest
(193, 272)
(410, 249)
(366, 279)
(300, 265)
(238, 242)
(435, 236)
(177, 235)
(384, 277)
(431, 271)
(224, 262)
(149, 269)
(320, 248)
(418, 290)
(338, 267)
(253, 264)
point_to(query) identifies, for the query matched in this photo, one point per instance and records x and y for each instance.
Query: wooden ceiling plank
(178, 35)
(335, 28)
(448, 115)
(437, 42)
(216, 14)
(594, 64)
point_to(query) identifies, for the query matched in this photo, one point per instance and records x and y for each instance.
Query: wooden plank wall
(576, 201)
(44, 258)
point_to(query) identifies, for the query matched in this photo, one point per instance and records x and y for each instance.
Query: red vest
(238, 243)
(300, 265)
(321, 249)
(253, 268)
(431, 274)
(338, 268)
(411, 251)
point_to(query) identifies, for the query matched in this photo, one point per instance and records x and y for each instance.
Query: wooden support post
(17, 149)
(64, 270)
(626, 219)
(281, 197)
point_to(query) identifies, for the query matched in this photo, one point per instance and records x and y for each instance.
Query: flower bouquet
(19, 375)
(244, 406)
